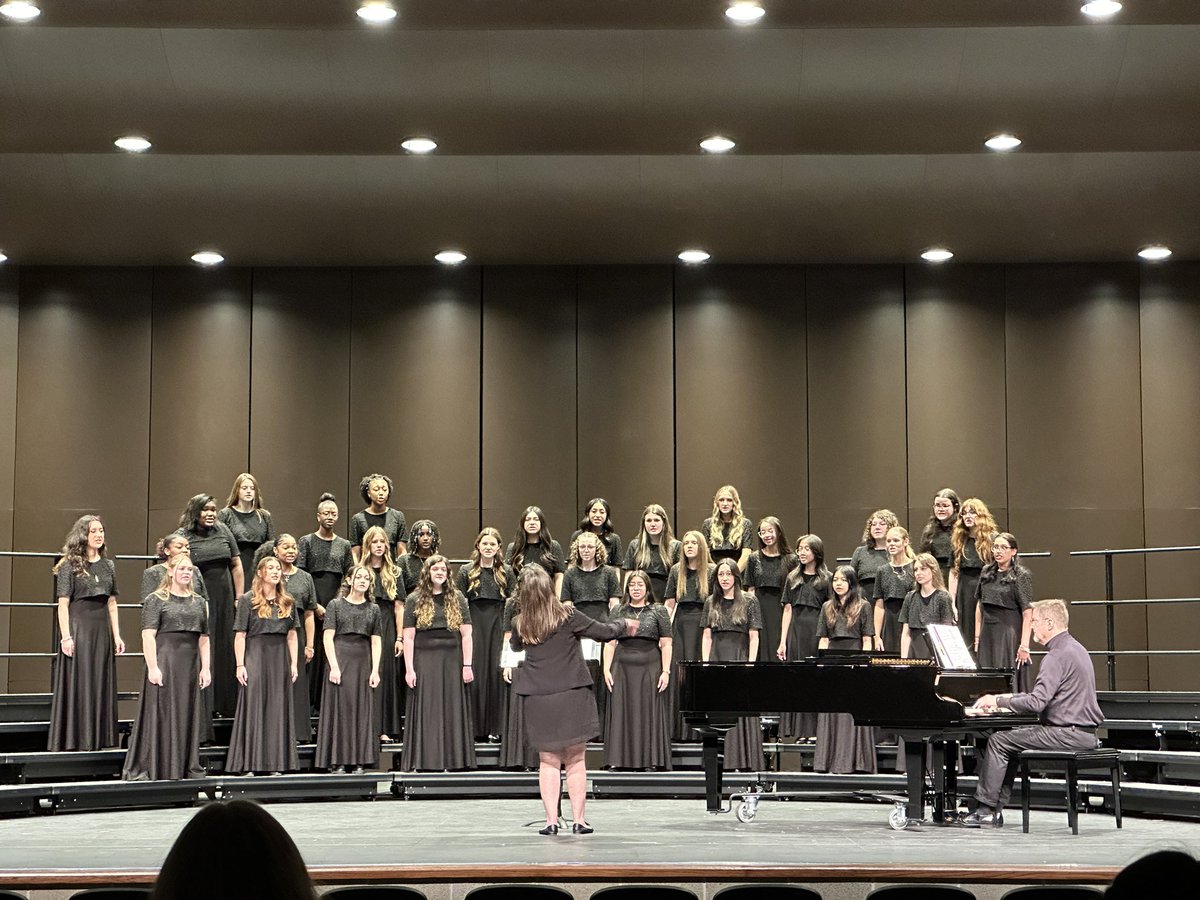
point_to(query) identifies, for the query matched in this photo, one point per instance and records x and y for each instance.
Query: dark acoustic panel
(528, 449)
(741, 387)
(626, 391)
(1170, 320)
(200, 389)
(83, 426)
(414, 384)
(8, 439)
(857, 457)
(1074, 442)
(299, 390)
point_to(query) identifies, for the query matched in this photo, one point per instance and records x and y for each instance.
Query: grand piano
(912, 698)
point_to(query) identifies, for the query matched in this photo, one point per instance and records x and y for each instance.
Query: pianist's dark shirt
(1065, 692)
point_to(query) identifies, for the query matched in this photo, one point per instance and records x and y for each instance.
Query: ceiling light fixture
(937, 255)
(419, 145)
(694, 257)
(376, 12)
(20, 10)
(744, 12)
(717, 144)
(1100, 9)
(451, 257)
(1155, 252)
(207, 257)
(132, 144)
(1003, 142)
(3, 257)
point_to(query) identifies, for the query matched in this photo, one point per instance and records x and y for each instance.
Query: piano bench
(1072, 762)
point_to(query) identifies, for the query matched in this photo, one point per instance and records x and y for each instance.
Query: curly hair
(887, 516)
(424, 594)
(364, 486)
(984, 532)
(601, 553)
(75, 546)
(737, 519)
(416, 529)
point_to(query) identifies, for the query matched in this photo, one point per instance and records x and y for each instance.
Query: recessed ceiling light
(717, 144)
(132, 144)
(3, 257)
(207, 257)
(744, 12)
(1155, 252)
(419, 145)
(376, 12)
(20, 10)
(451, 257)
(937, 255)
(1002, 142)
(1100, 9)
(693, 256)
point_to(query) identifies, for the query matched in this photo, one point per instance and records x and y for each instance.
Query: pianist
(1064, 699)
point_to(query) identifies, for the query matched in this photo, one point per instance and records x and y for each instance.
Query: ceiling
(568, 131)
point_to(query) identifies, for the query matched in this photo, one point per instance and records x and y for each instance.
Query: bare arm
(114, 623)
(401, 548)
(753, 644)
(335, 673)
(823, 643)
(66, 642)
(310, 634)
(239, 577)
(468, 649)
(294, 652)
(879, 624)
(905, 642)
(781, 650)
(205, 662)
(150, 651)
(376, 653)
(867, 641)
(410, 637)
(705, 644)
(664, 651)
(398, 613)
(743, 560)
(609, 651)
(1026, 626)
(239, 656)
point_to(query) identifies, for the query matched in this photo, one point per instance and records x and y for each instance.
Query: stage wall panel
(8, 438)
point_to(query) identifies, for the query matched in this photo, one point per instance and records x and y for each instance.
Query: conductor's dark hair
(365, 485)
(190, 520)
(585, 523)
(259, 860)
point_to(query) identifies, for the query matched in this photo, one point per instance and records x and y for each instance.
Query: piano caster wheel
(898, 819)
(746, 810)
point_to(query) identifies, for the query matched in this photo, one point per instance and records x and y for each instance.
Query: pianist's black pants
(1000, 763)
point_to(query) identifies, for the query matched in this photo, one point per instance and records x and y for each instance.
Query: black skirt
(686, 633)
(264, 728)
(556, 722)
(83, 705)
(743, 743)
(327, 585)
(892, 628)
(842, 746)
(639, 728)
(488, 692)
(802, 643)
(165, 742)
(999, 637)
(770, 602)
(346, 732)
(515, 752)
(966, 603)
(438, 730)
(221, 602)
(300, 690)
(389, 698)
(597, 610)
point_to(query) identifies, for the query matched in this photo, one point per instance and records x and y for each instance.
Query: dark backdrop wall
(1062, 395)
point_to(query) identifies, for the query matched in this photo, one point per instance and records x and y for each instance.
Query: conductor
(1064, 698)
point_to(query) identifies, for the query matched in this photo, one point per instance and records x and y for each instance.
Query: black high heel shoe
(549, 830)
(584, 828)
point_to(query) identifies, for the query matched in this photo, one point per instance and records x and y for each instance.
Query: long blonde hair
(387, 573)
(908, 550)
(985, 530)
(236, 489)
(540, 612)
(262, 606)
(423, 603)
(474, 569)
(163, 592)
(737, 519)
(704, 562)
(643, 546)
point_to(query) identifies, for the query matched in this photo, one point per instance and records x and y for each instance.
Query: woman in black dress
(938, 536)
(597, 518)
(971, 544)
(655, 550)
(871, 553)
(559, 709)
(165, 741)
(1002, 628)
(83, 703)
(303, 591)
(515, 752)
(388, 593)
(167, 549)
(327, 558)
(926, 604)
(535, 545)
(595, 589)
(347, 735)
(893, 581)
(214, 551)
(486, 581)
(766, 573)
(437, 645)
(688, 588)
(804, 592)
(732, 623)
(244, 515)
(376, 491)
(425, 541)
(637, 672)
(846, 623)
(728, 531)
(265, 645)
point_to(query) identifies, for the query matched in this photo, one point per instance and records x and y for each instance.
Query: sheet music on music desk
(591, 649)
(950, 648)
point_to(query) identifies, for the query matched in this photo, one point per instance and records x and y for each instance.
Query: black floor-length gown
(212, 550)
(389, 696)
(731, 643)
(590, 591)
(639, 727)
(686, 629)
(327, 562)
(347, 733)
(488, 692)
(303, 590)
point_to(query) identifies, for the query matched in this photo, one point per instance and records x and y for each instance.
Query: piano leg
(945, 779)
(714, 768)
(914, 764)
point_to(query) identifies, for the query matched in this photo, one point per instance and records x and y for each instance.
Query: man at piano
(1064, 699)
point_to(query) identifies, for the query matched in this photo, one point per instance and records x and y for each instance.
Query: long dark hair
(849, 609)
(190, 520)
(585, 524)
(75, 546)
(933, 526)
(738, 613)
(796, 576)
(516, 559)
(992, 571)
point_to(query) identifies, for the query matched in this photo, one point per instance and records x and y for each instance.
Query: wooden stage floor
(447, 846)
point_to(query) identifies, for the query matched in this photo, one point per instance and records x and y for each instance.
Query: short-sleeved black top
(175, 614)
(866, 561)
(691, 586)
(390, 520)
(724, 547)
(806, 592)
(533, 553)
(769, 572)
(596, 586)
(247, 620)
(380, 593)
(344, 617)
(653, 618)
(249, 529)
(861, 626)
(754, 621)
(439, 611)
(316, 555)
(940, 546)
(410, 566)
(612, 546)
(1011, 590)
(211, 544)
(971, 560)
(892, 582)
(100, 580)
(153, 576)
(921, 612)
(488, 588)
(655, 565)
(302, 589)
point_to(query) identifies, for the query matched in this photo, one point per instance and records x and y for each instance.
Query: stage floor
(455, 843)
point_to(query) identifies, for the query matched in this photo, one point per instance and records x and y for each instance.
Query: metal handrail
(1130, 551)
(1140, 602)
(53, 603)
(130, 653)
(38, 554)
